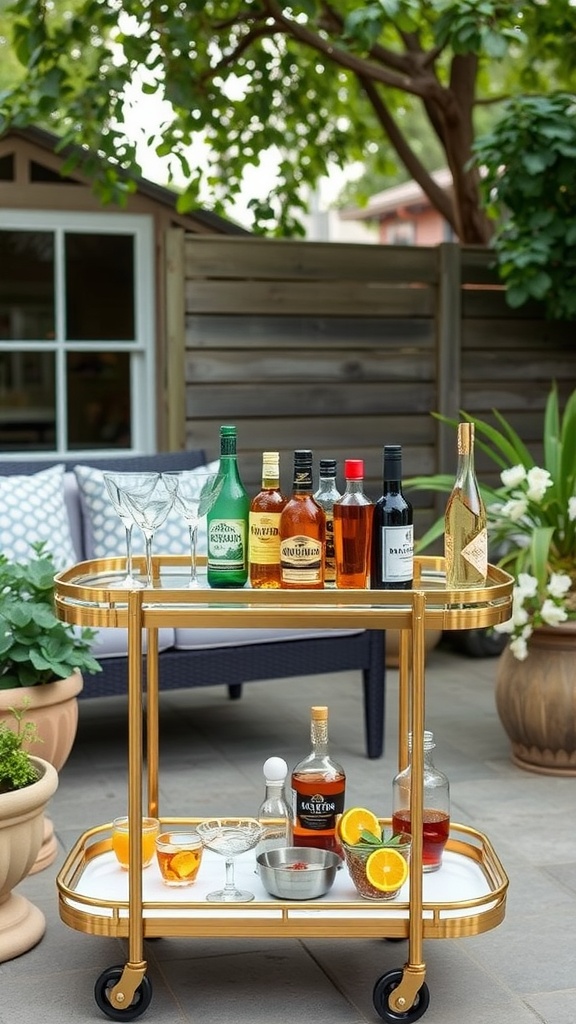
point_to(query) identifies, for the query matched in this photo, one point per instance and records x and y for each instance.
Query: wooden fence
(343, 348)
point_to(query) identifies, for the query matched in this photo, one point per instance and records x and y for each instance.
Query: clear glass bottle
(465, 524)
(435, 805)
(302, 531)
(227, 520)
(392, 562)
(353, 529)
(326, 494)
(318, 790)
(264, 526)
(274, 812)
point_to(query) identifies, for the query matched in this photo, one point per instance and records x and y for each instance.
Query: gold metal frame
(85, 595)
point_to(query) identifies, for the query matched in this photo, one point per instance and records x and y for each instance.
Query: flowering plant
(531, 518)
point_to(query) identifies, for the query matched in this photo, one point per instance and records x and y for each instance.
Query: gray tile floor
(211, 755)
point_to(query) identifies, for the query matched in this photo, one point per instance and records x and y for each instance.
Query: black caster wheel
(384, 988)
(104, 985)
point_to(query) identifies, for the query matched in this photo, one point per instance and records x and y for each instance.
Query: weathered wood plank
(516, 333)
(238, 400)
(341, 298)
(355, 365)
(209, 331)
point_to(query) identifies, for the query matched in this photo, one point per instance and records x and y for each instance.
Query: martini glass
(116, 485)
(194, 495)
(149, 512)
(229, 837)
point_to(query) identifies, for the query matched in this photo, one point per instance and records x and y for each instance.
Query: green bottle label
(227, 544)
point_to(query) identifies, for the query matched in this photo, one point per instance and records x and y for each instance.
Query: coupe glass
(194, 495)
(149, 512)
(116, 485)
(229, 837)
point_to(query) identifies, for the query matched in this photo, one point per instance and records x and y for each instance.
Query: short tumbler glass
(179, 855)
(120, 840)
(356, 857)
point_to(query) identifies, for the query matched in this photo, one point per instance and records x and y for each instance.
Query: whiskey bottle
(392, 562)
(435, 806)
(326, 495)
(227, 521)
(318, 790)
(274, 812)
(264, 526)
(353, 529)
(302, 531)
(465, 528)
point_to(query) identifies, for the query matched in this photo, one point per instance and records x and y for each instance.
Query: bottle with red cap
(353, 530)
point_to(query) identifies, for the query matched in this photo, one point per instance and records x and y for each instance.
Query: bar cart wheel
(106, 982)
(382, 992)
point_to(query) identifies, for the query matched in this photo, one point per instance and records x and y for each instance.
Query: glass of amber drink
(121, 842)
(179, 855)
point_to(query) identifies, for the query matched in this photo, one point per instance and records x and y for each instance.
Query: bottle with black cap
(326, 494)
(302, 531)
(392, 562)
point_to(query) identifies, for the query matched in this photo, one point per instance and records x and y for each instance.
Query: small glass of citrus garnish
(179, 855)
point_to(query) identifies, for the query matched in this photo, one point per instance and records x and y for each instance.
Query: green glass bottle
(227, 521)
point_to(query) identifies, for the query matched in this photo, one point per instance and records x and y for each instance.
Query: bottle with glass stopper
(465, 524)
(274, 813)
(435, 805)
(318, 790)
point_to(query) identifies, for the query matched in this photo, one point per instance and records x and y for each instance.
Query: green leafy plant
(17, 769)
(531, 517)
(36, 647)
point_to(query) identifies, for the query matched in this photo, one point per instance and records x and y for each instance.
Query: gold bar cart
(466, 897)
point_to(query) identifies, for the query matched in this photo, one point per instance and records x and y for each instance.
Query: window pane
(26, 285)
(28, 404)
(99, 400)
(99, 287)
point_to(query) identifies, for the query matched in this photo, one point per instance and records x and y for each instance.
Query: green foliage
(36, 647)
(17, 770)
(529, 160)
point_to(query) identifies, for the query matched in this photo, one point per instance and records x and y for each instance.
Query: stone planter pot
(53, 707)
(536, 701)
(22, 924)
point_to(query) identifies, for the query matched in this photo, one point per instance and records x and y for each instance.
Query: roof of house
(159, 193)
(408, 194)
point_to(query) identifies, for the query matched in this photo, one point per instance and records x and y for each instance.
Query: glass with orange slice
(179, 855)
(377, 862)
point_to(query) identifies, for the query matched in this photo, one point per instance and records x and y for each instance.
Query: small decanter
(435, 806)
(274, 813)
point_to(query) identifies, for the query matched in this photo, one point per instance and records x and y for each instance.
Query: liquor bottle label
(330, 564)
(227, 544)
(301, 560)
(317, 812)
(397, 553)
(476, 551)
(264, 538)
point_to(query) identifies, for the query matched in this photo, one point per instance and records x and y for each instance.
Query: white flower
(514, 476)
(519, 648)
(558, 584)
(527, 585)
(552, 614)
(515, 509)
(505, 627)
(538, 482)
(572, 508)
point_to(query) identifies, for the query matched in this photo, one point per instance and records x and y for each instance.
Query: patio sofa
(67, 502)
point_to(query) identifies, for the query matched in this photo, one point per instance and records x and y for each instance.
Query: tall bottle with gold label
(302, 531)
(465, 527)
(264, 526)
(227, 520)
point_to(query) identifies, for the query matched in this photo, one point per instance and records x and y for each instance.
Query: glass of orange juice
(179, 855)
(120, 843)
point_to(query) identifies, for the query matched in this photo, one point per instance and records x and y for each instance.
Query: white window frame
(141, 349)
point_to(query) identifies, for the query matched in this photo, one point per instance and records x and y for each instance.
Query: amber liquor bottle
(353, 529)
(326, 494)
(264, 526)
(318, 790)
(302, 531)
(392, 563)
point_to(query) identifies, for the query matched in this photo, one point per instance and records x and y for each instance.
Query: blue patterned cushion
(104, 534)
(32, 508)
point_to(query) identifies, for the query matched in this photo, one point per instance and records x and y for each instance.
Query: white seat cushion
(186, 639)
(112, 643)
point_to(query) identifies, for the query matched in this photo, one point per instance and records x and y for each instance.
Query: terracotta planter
(536, 701)
(22, 924)
(54, 709)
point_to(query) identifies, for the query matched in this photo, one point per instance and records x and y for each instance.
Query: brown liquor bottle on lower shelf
(318, 790)
(302, 531)
(264, 526)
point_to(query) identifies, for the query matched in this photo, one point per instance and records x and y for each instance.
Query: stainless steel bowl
(280, 878)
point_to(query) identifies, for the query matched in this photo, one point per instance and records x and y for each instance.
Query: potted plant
(41, 660)
(532, 526)
(26, 784)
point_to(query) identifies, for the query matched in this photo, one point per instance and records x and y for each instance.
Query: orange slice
(386, 869)
(184, 863)
(356, 821)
